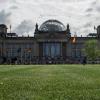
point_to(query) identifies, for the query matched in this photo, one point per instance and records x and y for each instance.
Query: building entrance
(51, 49)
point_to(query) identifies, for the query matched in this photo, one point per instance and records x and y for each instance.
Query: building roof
(52, 26)
(12, 34)
(3, 26)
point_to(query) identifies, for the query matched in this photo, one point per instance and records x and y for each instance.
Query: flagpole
(10, 28)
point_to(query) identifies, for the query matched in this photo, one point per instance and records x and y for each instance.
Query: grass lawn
(49, 82)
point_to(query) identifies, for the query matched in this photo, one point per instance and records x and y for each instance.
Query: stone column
(64, 49)
(36, 48)
(40, 49)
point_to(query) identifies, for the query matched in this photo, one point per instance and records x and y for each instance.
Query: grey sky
(82, 15)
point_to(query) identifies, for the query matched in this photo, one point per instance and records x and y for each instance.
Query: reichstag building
(52, 43)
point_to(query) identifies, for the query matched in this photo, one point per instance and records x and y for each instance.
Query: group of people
(44, 60)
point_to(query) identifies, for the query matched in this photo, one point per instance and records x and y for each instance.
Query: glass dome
(52, 26)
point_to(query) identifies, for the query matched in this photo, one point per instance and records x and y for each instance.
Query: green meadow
(49, 82)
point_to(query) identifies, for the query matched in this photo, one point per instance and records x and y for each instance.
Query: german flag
(74, 39)
(29, 50)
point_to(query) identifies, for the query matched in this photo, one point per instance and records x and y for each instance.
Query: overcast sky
(82, 15)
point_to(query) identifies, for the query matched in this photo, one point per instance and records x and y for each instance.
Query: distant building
(52, 43)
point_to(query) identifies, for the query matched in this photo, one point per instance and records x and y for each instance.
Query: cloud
(77, 13)
(25, 27)
(13, 7)
(98, 9)
(89, 10)
(4, 17)
(3, 1)
(89, 24)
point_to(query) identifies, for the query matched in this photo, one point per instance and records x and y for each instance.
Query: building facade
(52, 43)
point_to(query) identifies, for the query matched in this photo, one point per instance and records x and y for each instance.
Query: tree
(91, 49)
